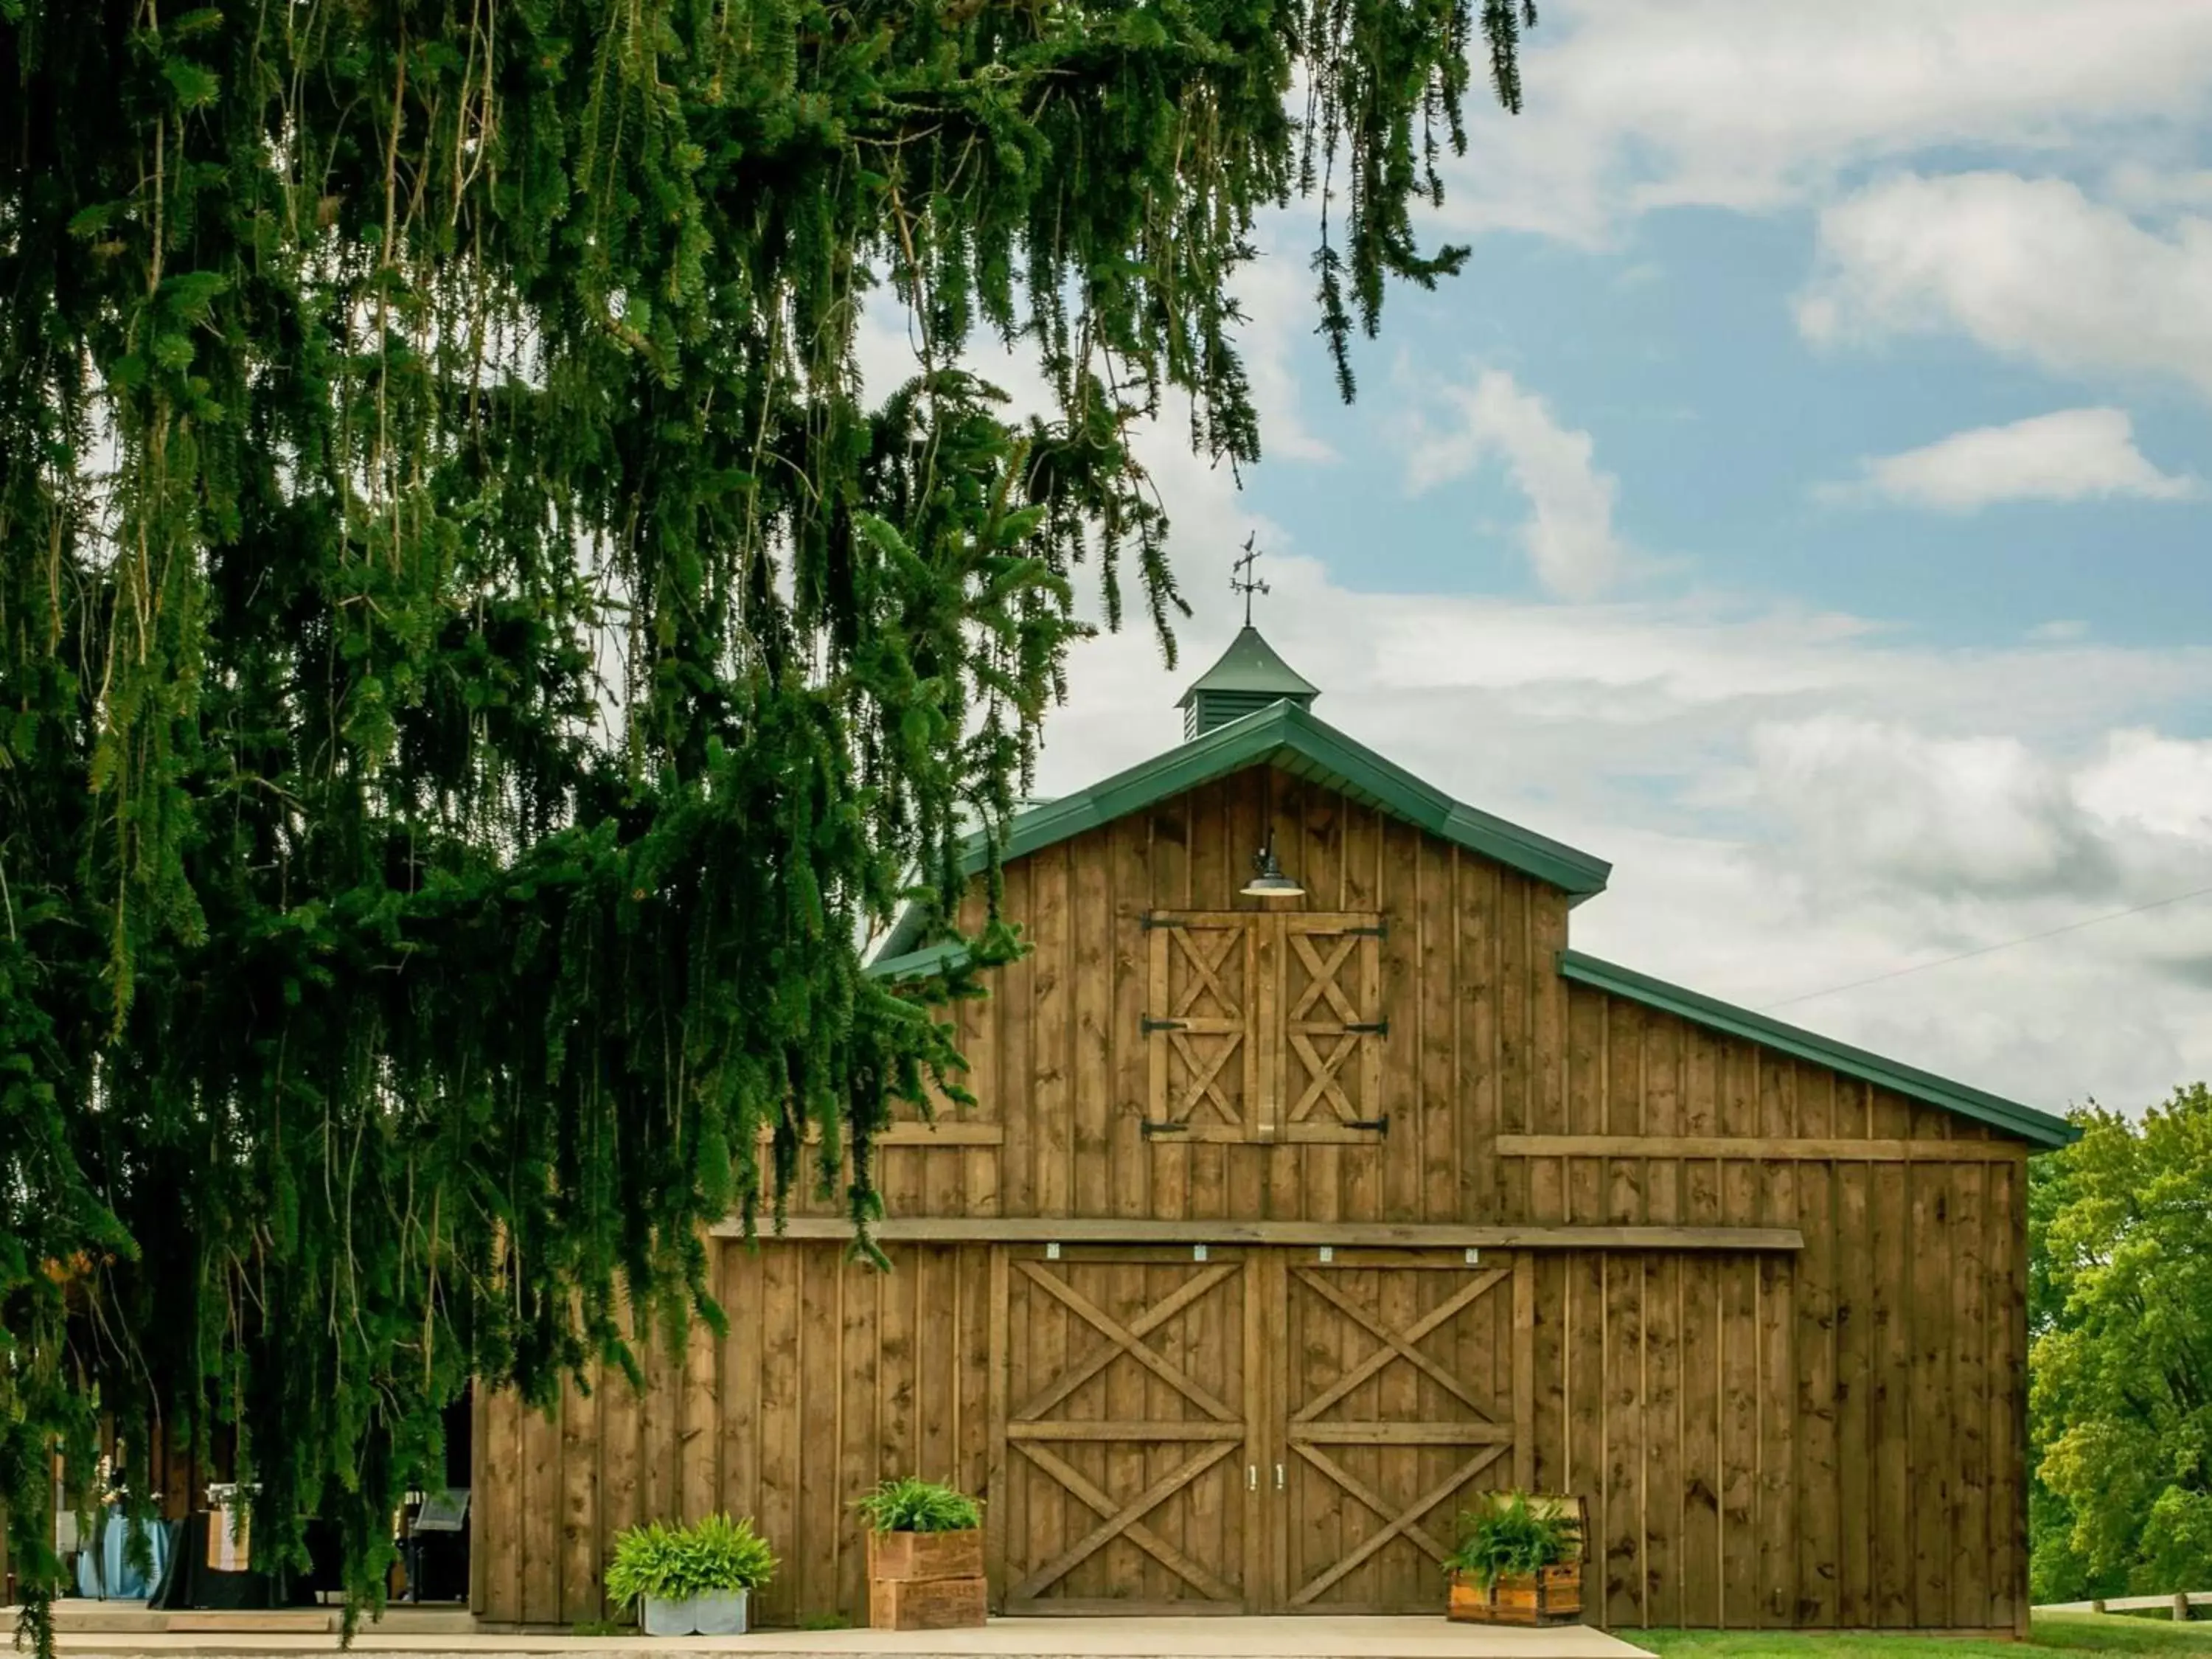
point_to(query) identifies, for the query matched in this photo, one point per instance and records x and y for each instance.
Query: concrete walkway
(1313, 1638)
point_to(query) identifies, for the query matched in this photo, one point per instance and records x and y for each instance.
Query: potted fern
(1519, 1562)
(924, 1556)
(689, 1580)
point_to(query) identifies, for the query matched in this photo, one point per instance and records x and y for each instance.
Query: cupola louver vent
(1249, 678)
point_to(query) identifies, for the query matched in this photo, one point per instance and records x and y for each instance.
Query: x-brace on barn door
(1248, 1430)
(1128, 1409)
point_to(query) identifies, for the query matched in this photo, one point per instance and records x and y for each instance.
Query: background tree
(472, 665)
(2120, 1393)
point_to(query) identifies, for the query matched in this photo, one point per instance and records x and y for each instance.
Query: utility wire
(1983, 950)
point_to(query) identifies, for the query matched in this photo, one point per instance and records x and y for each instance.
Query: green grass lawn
(2068, 1632)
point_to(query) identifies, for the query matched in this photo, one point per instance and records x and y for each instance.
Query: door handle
(1251, 1477)
(1279, 1477)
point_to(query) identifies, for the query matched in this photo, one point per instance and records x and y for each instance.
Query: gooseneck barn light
(1268, 880)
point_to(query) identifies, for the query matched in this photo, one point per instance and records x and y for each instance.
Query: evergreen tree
(472, 664)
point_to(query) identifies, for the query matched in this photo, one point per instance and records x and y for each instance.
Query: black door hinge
(1146, 922)
(1380, 1124)
(1147, 1025)
(1149, 1128)
(1380, 1027)
(1380, 930)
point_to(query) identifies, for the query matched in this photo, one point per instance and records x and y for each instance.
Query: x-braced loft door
(1265, 1026)
(1125, 1479)
(1261, 1429)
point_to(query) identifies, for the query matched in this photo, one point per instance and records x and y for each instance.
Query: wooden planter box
(926, 1580)
(926, 1603)
(918, 1556)
(1553, 1596)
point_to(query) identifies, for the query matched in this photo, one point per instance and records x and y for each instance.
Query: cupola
(1248, 677)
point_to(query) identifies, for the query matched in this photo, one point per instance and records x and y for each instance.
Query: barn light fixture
(1268, 880)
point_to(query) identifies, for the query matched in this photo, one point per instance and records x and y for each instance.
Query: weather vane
(1242, 580)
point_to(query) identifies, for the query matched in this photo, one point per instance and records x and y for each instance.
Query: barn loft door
(1126, 1467)
(1400, 1402)
(1266, 1026)
(1203, 1025)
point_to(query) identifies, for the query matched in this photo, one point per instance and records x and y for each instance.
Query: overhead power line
(1985, 949)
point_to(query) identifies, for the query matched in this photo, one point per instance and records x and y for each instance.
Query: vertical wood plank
(501, 1520)
(1855, 1386)
(580, 1494)
(1437, 878)
(782, 1340)
(1970, 1400)
(1524, 1371)
(857, 1381)
(1624, 1454)
(1054, 1028)
(1777, 1375)
(997, 1475)
(540, 1521)
(701, 1409)
(1502, 1187)
(1017, 995)
(1484, 900)
(738, 1265)
(1092, 931)
(1889, 1427)
(2006, 1305)
(1932, 1455)
(1739, 1356)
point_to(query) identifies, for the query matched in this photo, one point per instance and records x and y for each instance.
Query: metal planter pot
(720, 1613)
(661, 1618)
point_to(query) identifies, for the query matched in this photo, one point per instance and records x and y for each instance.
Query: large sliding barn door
(1128, 1433)
(1262, 1429)
(1400, 1402)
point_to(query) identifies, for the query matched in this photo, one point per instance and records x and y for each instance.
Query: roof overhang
(2039, 1127)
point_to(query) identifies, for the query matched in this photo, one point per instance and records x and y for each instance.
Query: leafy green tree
(2121, 1361)
(473, 662)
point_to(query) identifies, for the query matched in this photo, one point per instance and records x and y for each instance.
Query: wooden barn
(1309, 1193)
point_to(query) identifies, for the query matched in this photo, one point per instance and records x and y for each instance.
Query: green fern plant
(910, 1504)
(1512, 1540)
(674, 1563)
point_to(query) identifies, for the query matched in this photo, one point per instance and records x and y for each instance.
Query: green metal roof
(1250, 664)
(2009, 1116)
(1287, 736)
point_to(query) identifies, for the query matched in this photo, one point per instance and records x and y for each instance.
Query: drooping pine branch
(474, 660)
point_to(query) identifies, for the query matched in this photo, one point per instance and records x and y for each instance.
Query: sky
(1804, 500)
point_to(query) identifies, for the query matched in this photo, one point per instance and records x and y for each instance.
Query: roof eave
(2026, 1122)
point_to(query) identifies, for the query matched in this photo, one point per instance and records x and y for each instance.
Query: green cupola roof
(1248, 677)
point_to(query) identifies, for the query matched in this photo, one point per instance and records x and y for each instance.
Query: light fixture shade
(1268, 880)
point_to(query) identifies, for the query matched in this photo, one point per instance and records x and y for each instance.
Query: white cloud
(2032, 269)
(2069, 456)
(1751, 105)
(1881, 801)
(1569, 534)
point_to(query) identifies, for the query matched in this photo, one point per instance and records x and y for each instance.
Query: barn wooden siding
(1828, 1437)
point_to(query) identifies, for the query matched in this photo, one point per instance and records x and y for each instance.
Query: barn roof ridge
(1285, 732)
(2013, 1118)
